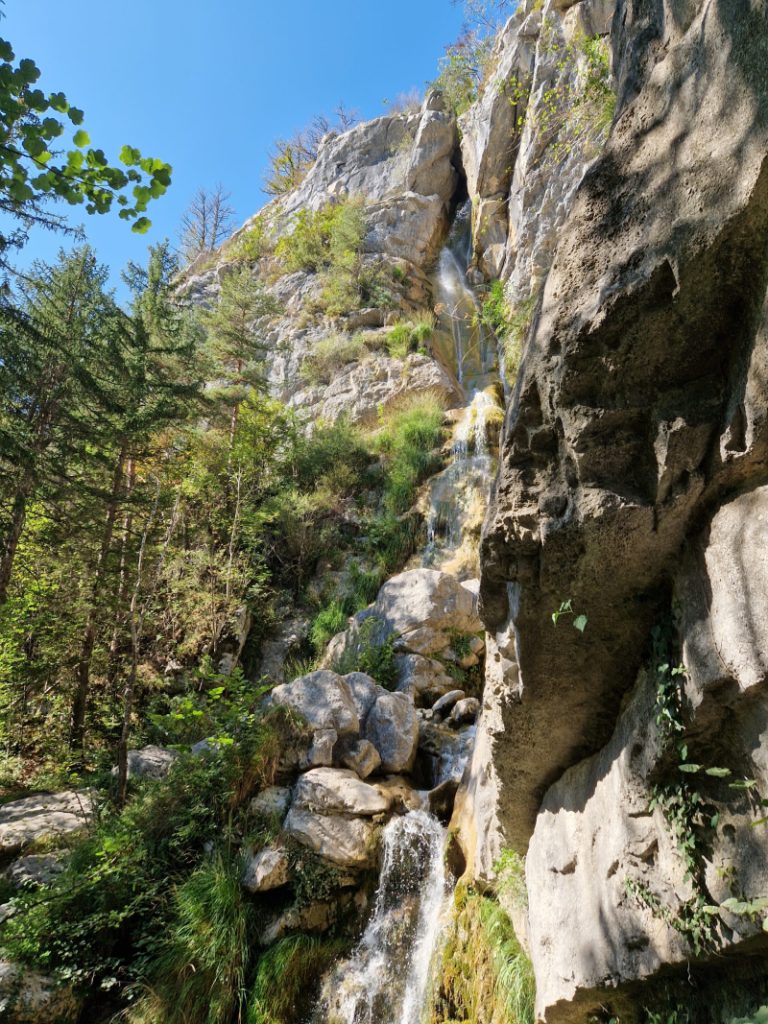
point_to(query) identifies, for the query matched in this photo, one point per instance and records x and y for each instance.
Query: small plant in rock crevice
(566, 609)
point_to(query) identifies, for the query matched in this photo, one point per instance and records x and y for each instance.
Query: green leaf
(129, 156)
(81, 139)
(580, 623)
(742, 784)
(141, 226)
(690, 768)
(75, 115)
(719, 773)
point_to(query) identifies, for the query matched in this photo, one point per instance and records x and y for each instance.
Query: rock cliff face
(632, 484)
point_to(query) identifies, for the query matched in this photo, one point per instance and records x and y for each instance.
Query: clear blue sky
(207, 86)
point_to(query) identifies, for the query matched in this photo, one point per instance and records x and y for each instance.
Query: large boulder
(272, 802)
(422, 678)
(266, 870)
(323, 700)
(337, 791)
(361, 756)
(45, 815)
(393, 729)
(348, 842)
(425, 609)
(151, 762)
(29, 997)
(35, 869)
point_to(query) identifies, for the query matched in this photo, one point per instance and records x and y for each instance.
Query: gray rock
(151, 762)
(422, 678)
(337, 791)
(29, 997)
(424, 608)
(362, 757)
(393, 728)
(464, 712)
(323, 700)
(360, 390)
(401, 794)
(45, 815)
(266, 870)
(273, 801)
(611, 452)
(320, 753)
(364, 691)
(35, 869)
(348, 842)
(441, 708)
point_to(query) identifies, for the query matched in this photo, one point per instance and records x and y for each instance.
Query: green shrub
(407, 442)
(199, 975)
(330, 354)
(329, 241)
(287, 978)
(373, 652)
(410, 335)
(463, 69)
(323, 238)
(510, 873)
(509, 323)
(253, 243)
(326, 624)
(105, 919)
(484, 976)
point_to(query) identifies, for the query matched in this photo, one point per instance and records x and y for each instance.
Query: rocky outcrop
(44, 816)
(28, 997)
(626, 415)
(151, 762)
(402, 165)
(362, 389)
(632, 492)
(425, 610)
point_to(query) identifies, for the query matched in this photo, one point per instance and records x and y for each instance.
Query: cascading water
(456, 497)
(385, 981)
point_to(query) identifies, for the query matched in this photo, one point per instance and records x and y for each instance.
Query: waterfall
(455, 500)
(386, 978)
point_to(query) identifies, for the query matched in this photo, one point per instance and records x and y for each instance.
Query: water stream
(385, 980)
(455, 499)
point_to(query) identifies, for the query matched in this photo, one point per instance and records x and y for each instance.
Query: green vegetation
(510, 872)
(576, 112)
(329, 242)
(373, 653)
(253, 243)
(509, 323)
(286, 975)
(292, 158)
(140, 901)
(330, 354)
(463, 69)
(327, 623)
(484, 976)
(34, 169)
(410, 335)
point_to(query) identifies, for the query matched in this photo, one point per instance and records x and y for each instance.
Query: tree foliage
(46, 155)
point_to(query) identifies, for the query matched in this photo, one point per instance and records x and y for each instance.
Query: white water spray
(386, 979)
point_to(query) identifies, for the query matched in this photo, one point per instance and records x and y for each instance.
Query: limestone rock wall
(632, 483)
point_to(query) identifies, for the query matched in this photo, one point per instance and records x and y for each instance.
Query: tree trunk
(83, 670)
